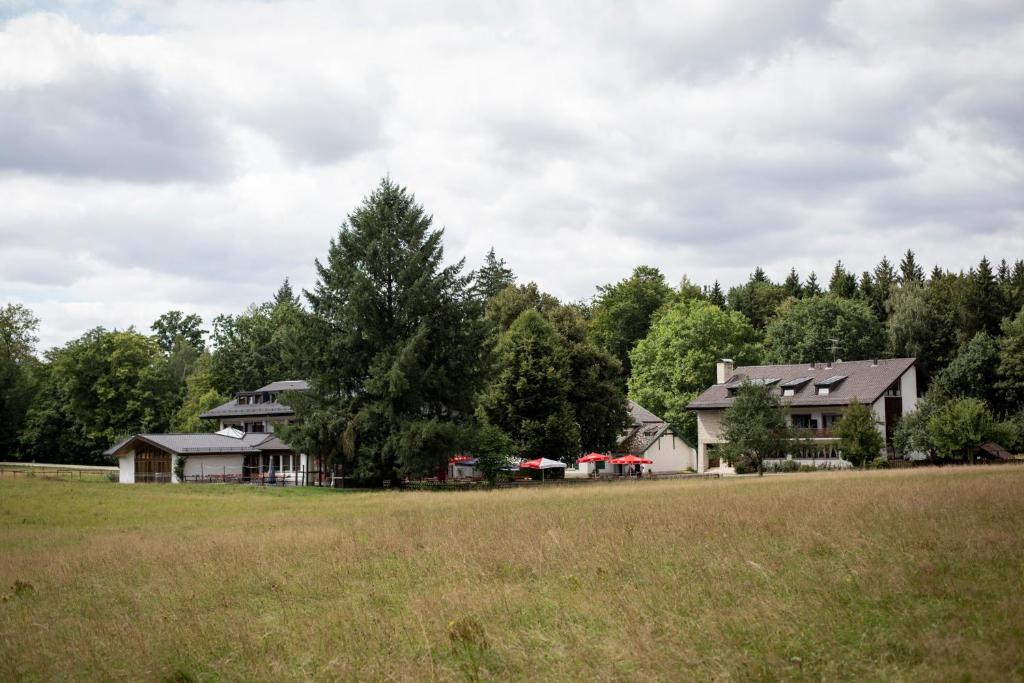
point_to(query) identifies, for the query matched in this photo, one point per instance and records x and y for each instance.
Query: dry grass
(907, 575)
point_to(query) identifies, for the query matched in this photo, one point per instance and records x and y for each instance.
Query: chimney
(812, 365)
(724, 370)
(874, 362)
(828, 365)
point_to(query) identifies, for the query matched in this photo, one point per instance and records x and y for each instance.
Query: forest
(410, 360)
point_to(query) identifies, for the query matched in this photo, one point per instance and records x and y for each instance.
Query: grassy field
(902, 575)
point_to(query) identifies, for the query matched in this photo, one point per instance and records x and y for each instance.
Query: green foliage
(859, 438)
(623, 311)
(922, 324)
(98, 388)
(959, 426)
(261, 345)
(791, 286)
(811, 287)
(1011, 359)
(754, 428)
(910, 271)
(972, 372)
(492, 448)
(175, 325)
(508, 304)
(757, 299)
(912, 435)
(493, 277)
(200, 396)
(393, 345)
(843, 283)
(530, 397)
(804, 329)
(676, 361)
(20, 372)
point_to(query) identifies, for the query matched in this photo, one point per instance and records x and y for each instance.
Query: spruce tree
(812, 288)
(884, 277)
(909, 270)
(716, 295)
(394, 343)
(493, 277)
(843, 283)
(791, 286)
(983, 308)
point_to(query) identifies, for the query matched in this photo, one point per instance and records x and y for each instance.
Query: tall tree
(843, 283)
(884, 280)
(493, 277)
(173, 326)
(508, 304)
(923, 323)
(959, 427)
(754, 428)
(623, 311)
(791, 286)
(1011, 359)
(910, 271)
(983, 307)
(859, 438)
(19, 372)
(972, 372)
(758, 299)
(596, 393)
(811, 287)
(395, 345)
(530, 398)
(99, 387)
(676, 361)
(822, 328)
(716, 296)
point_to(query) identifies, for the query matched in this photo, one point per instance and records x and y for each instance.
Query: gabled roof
(188, 444)
(644, 432)
(864, 380)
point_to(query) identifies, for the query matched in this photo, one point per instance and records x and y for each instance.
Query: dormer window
(243, 400)
(790, 387)
(824, 387)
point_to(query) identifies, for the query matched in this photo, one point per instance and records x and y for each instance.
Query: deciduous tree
(754, 428)
(804, 331)
(859, 438)
(622, 312)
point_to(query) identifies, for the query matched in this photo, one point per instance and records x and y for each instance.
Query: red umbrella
(594, 457)
(631, 460)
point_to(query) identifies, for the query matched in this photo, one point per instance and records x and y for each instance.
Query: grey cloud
(109, 124)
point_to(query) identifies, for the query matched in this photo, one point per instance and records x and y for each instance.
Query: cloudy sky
(159, 155)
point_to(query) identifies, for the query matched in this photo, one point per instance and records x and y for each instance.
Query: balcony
(809, 433)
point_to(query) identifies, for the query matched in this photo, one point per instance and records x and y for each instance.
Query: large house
(816, 396)
(651, 437)
(243, 449)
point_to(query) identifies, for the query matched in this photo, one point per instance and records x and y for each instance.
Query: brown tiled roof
(864, 379)
(645, 429)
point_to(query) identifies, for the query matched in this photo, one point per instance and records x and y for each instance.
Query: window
(788, 391)
(243, 400)
(822, 391)
(254, 427)
(894, 389)
(804, 422)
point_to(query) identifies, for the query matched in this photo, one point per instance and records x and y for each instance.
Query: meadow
(899, 575)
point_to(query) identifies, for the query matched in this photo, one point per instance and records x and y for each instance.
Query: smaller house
(651, 437)
(228, 455)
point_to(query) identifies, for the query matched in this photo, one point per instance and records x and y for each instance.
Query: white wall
(670, 454)
(126, 468)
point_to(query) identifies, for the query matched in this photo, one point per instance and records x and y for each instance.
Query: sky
(191, 155)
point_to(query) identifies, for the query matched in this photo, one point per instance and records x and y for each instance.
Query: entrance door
(152, 465)
(893, 413)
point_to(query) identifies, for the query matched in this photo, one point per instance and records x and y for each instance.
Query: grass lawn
(905, 575)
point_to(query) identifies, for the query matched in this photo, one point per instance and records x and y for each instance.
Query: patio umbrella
(631, 460)
(542, 464)
(594, 457)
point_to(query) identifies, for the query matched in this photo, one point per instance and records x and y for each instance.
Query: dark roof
(639, 415)
(274, 443)
(232, 409)
(995, 450)
(286, 385)
(645, 430)
(864, 380)
(186, 444)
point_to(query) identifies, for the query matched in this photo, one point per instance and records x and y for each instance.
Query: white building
(816, 396)
(650, 437)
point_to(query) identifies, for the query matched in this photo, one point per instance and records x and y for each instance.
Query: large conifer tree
(394, 345)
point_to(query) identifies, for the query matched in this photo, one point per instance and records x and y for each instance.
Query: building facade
(816, 396)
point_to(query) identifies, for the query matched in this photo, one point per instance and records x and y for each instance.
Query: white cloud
(192, 154)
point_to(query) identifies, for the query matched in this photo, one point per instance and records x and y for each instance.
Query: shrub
(879, 463)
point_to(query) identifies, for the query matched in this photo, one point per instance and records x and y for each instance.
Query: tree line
(410, 361)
